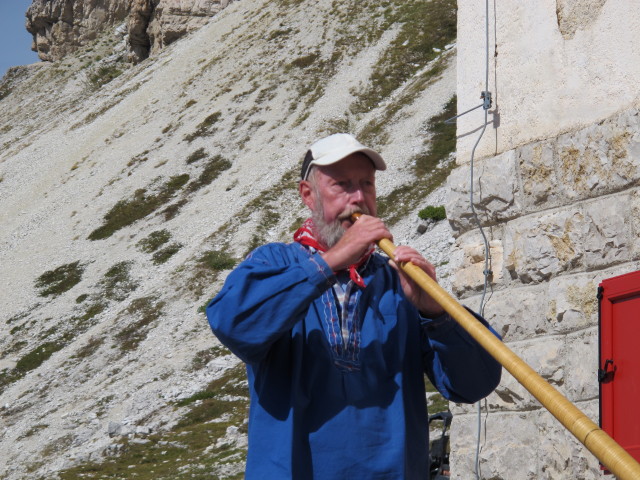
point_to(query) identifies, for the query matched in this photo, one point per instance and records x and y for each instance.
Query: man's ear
(307, 194)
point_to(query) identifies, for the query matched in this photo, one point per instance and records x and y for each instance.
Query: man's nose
(356, 195)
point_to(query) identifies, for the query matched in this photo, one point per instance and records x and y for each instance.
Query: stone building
(556, 178)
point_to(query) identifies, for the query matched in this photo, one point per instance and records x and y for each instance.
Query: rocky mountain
(129, 191)
(60, 27)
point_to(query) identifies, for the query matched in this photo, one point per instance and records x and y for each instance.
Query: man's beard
(330, 233)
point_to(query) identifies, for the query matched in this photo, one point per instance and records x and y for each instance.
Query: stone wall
(562, 214)
(558, 195)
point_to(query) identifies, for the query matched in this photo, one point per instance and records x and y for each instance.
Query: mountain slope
(129, 192)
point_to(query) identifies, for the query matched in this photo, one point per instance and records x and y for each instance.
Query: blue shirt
(335, 401)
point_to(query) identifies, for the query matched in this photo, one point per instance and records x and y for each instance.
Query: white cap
(334, 148)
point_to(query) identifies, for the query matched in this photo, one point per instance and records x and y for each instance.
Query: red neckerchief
(305, 236)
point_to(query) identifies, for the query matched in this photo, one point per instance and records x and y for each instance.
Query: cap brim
(330, 159)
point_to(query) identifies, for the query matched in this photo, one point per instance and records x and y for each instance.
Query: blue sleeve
(456, 364)
(265, 296)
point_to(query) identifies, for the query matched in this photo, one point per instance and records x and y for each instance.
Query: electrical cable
(486, 96)
(486, 105)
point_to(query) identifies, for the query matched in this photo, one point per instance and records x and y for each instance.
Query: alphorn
(615, 458)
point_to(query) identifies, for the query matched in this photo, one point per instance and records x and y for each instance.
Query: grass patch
(104, 75)
(304, 61)
(143, 203)
(84, 321)
(211, 171)
(374, 133)
(90, 348)
(161, 256)
(82, 298)
(117, 283)
(173, 209)
(203, 357)
(199, 154)
(426, 27)
(37, 356)
(217, 261)
(5, 91)
(146, 310)
(431, 169)
(431, 212)
(443, 139)
(154, 240)
(138, 159)
(28, 362)
(191, 449)
(205, 128)
(57, 281)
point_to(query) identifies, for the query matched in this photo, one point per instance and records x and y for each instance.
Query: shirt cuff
(319, 271)
(442, 323)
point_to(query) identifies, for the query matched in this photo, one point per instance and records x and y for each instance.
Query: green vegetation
(199, 154)
(104, 75)
(82, 322)
(28, 362)
(5, 91)
(147, 310)
(191, 449)
(128, 211)
(57, 281)
(37, 356)
(138, 159)
(203, 357)
(87, 350)
(154, 240)
(117, 283)
(431, 169)
(216, 261)
(431, 212)
(443, 140)
(206, 127)
(374, 133)
(305, 61)
(437, 403)
(211, 171)
(173, 209)
(426, 27)
(161, 256)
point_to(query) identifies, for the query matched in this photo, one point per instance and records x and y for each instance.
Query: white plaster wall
(544, 83)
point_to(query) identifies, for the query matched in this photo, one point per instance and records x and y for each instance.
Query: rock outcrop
(59, 27)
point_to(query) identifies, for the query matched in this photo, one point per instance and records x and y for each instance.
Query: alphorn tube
(602, 446)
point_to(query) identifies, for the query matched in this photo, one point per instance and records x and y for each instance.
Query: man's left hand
(421, 299)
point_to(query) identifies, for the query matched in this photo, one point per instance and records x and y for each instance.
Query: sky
(15, 41)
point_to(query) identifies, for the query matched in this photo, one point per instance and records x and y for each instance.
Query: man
(336, 339)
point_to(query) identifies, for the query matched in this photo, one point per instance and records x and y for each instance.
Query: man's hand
(421, 299)
(357, 239)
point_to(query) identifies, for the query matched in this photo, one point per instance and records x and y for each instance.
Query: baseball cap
(334, 148)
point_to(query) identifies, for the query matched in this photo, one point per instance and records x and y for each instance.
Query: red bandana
(305, 236)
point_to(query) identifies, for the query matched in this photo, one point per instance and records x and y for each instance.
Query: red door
(619, 370)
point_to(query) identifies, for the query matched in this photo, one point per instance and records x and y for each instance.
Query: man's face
(337, 191)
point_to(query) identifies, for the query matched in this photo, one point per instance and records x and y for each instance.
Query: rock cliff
(59, 27)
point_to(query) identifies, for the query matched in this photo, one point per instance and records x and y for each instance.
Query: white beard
(330, 233)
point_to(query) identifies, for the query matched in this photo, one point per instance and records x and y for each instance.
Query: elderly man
(336, 339)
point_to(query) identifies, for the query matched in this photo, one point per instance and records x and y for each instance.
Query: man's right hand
(355, 242)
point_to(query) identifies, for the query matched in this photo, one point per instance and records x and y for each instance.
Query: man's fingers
(404, 254)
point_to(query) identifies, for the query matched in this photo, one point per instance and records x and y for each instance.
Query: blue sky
(14, 38)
